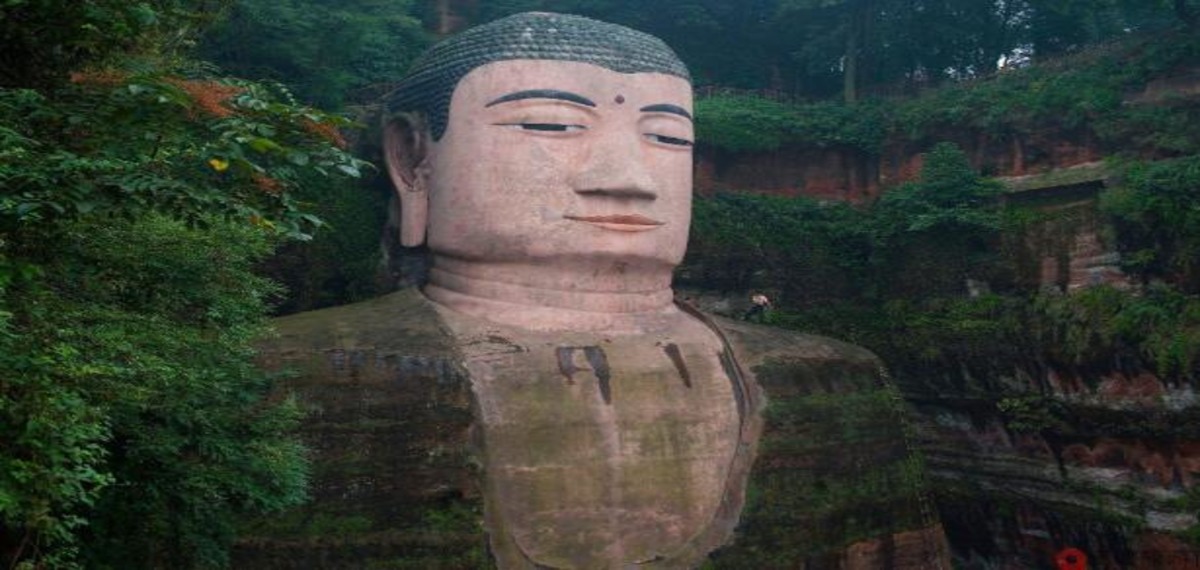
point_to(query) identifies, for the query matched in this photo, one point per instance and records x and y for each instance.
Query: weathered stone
(389, 416)
(399, 477)
(544, 373)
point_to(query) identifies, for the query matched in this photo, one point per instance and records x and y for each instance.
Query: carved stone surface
(543, 387)
(402, 457)
(527, 36)
(605, 449)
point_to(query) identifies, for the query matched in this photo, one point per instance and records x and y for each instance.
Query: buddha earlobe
(404, 144)
(414, 208)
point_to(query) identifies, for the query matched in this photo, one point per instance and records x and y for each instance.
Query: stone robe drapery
(809, 467)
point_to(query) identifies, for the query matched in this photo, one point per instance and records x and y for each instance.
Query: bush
(1158, 226)
(133, 420)
(137, 190)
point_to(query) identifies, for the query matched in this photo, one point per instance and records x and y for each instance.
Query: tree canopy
(326, 51)
(138, 189)
(825, 48)
(332, 52)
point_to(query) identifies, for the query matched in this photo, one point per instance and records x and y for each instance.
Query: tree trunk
(453, 16)
(1184, 11)
(859, 17)
(444, 24)
(1018, 156)
(850, 65)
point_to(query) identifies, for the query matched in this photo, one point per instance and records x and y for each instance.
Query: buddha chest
(600, 451)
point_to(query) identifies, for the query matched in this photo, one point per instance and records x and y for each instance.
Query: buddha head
(545, 140)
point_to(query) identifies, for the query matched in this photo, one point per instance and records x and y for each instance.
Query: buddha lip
(623, 219)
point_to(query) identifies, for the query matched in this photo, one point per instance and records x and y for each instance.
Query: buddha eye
(545, 127)
(673, 141)
(555, 127)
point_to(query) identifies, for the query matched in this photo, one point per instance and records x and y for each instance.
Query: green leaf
(298, 158)
(264, 145)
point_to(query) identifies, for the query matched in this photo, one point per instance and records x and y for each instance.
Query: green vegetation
(941, 279)
(337, 52)
(749, 124)
(341, 263)
(896, 277)
(143, 192)
(330, 53)
(921, 237)
(139, 191)
(1032, 413)
(1154, 211)
(823, 49)
(1083, 94)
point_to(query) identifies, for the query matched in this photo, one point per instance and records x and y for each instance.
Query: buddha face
(560, 162)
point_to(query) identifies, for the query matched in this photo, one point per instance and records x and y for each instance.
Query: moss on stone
(833, 467)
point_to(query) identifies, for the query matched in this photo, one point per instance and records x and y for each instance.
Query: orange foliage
(209, 96)
(267, 184)
(325, 131)
(99, 78)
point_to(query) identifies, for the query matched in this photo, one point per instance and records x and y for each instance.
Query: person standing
(759, 304)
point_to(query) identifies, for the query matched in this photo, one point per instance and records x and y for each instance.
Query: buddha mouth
(619, 222)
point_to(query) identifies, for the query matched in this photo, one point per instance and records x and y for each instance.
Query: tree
(1054, 27)
(1187, 11)
(878, 43)
(324, 50)
(933, 234)
(44, 40)
(1157, 223)
(723, 43)
(136, 192)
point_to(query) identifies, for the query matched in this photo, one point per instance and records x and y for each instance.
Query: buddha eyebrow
(543, 94)
(667, 108)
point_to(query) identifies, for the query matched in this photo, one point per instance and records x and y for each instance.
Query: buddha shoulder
(780, 358)
(403, 322)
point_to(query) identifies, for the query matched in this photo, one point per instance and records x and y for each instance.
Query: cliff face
(840, 172)
(1106, 462)
(1028, 457)
(852, 175)
(393, 482)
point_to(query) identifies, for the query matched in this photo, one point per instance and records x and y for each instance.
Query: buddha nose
(616, 167)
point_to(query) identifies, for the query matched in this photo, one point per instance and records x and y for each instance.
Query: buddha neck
(549, 297)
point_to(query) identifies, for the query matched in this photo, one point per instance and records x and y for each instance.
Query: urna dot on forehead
(428, 87)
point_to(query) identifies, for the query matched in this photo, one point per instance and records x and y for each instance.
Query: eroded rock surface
(408, 472)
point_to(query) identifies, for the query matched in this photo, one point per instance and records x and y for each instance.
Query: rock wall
(849, 174)
(1070, 246)
(846, 173)
(393, 483)
(835, 477)
(1106, 461)
(830, 174)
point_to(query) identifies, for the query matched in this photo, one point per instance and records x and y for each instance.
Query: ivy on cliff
(1158, 225)
(751, 124)
(816, 252)
(930, 277)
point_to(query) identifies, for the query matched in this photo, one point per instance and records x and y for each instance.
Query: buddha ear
(405, 146)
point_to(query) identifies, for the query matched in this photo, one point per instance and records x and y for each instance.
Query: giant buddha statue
(542, 401)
